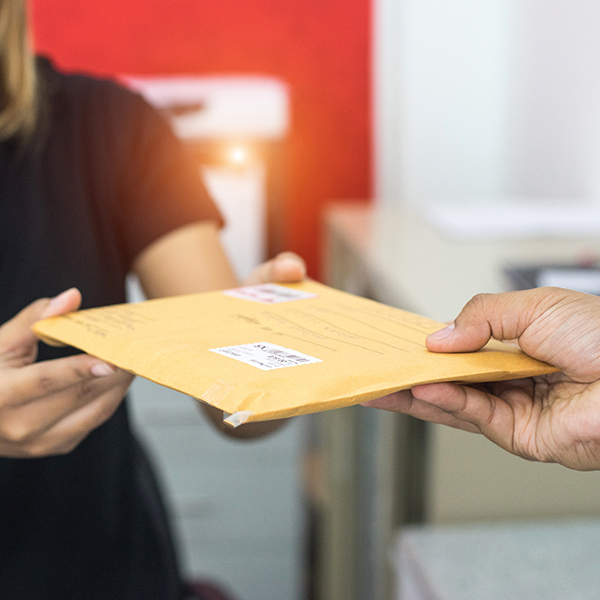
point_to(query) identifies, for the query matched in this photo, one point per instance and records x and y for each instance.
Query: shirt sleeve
(160, 188)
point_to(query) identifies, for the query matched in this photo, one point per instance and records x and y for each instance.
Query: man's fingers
(488, 413)
(404, 402)
(554, 325)
(501, 316)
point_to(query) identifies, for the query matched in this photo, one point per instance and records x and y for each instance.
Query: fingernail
(56, 302)
(58, 299)
(102, 369)
(441, 334)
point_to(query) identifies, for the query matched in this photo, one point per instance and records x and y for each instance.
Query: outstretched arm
(554, 418)
(191, 259)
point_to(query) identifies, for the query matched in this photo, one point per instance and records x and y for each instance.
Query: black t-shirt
(102, 179)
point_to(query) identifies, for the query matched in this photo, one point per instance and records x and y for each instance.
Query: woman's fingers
(69, 431)
(286, 267)
(39, 396)
(33, 382)
(65, 302)
(49, 407)
(18, 344)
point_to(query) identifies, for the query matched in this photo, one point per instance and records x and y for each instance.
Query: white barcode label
(266, 356)
(268, 293)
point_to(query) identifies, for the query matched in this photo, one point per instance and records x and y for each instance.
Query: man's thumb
(503, 316)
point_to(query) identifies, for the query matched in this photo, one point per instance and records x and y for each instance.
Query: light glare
(238, 155)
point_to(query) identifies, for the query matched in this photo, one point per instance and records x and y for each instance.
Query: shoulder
(108, 121)
(83, 91)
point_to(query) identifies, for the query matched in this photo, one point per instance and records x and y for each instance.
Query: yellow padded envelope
(271, 351)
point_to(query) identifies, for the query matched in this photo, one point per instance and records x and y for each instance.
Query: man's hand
(49, 407)
(554, 418)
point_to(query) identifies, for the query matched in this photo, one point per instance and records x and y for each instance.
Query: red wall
(320, 47)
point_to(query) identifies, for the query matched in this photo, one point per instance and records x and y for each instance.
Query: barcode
(294, 357)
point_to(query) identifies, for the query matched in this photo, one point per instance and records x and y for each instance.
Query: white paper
(269, 293)
(266, 356)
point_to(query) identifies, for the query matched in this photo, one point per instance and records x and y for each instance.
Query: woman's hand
(554, 418)
(286, 267)
(49, 407)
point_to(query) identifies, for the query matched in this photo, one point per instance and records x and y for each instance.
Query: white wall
(554, 135)
(484, 99)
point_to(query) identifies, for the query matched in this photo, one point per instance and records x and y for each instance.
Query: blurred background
(321, 50)
(413, 151)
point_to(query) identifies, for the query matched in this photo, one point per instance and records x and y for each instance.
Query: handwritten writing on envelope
(272, 351)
